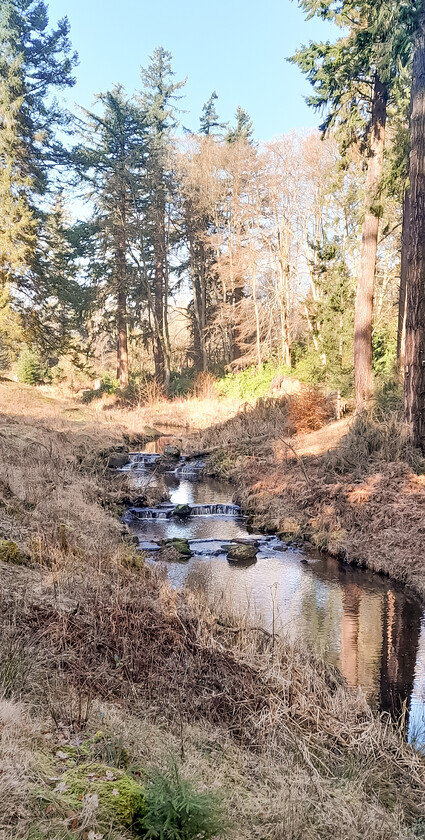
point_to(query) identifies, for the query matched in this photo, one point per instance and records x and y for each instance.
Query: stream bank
(370, 628)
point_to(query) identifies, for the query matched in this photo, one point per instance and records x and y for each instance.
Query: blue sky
(236, 47)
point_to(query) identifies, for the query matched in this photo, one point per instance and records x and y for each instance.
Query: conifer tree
(243, 130)
(157, 98)
(414, 380)
(353, 81)
(54, 321)
(34, 63)
(112, 160)
(209, 119)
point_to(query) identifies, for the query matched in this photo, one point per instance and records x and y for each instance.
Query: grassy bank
(107, 675)
(354, 488)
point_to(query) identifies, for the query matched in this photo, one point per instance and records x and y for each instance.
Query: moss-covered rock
(120, 800)
(243, 553)
(180, 545)
(11, 553)
(182, 511)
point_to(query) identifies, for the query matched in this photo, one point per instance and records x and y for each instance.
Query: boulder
(182, 511)
(242, 553)
(118, 459)
(180, 545)
(171, 451)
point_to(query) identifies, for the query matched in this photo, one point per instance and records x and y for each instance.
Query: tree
(34, 62)
(243, 130)
(59, 299)
(157, 97)
(414, 381)
(354, 79)
(112, 160)
(209, 118)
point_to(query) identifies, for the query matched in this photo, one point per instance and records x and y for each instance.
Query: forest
(212, 430)
(134, 251)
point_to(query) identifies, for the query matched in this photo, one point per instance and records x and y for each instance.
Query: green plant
(29, 368)
(175, 810)
(252, 382)
(11, 553)
(108, 385)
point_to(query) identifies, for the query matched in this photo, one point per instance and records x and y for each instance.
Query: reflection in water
(370, 628)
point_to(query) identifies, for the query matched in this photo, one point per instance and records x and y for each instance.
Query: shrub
(176, 811)
(251, 383)
(181, 383)
(205, 386)
(10, 553)
(29, 368)
(108, 385)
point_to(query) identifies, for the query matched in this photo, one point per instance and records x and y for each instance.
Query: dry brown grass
(296, 753)
(256, 428)
(349, 487)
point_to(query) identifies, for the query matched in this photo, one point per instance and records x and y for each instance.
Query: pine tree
(353, 81)
(157, 99)
(209, 118)
(112, 160)
(243, 130)
(34, 62)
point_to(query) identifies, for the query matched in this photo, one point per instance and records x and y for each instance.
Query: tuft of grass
(375, 437)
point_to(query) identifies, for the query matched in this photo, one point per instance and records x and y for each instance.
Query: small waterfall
(192, 469)
(167, 511)
(141, 460)
(150, 513)
(216, 510)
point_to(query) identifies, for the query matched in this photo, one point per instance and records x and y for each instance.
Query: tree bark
(121, 312)
(122, 339)
(365, 285)
(401, 327)
(414, 381)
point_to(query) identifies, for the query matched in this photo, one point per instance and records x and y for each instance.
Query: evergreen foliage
(34, 62)
(209, 118)
(175, 810)
(29, 368)
(243, 130)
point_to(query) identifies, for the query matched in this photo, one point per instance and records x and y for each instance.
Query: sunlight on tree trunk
(365, 286)
(414, 382)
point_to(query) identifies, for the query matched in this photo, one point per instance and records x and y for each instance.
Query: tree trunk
(414, 381)
(401, 327)
(283, 303)
(365, 285)
(121, 312)
(122, 340)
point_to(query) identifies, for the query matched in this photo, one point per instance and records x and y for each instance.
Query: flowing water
(367, 626)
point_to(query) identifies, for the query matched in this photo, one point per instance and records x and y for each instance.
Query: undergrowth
(377, 436)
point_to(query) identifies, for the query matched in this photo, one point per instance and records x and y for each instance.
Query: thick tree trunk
(401, 327)
(365, 285)
(414, 380)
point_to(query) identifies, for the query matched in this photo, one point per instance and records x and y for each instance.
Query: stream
(367, 626)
